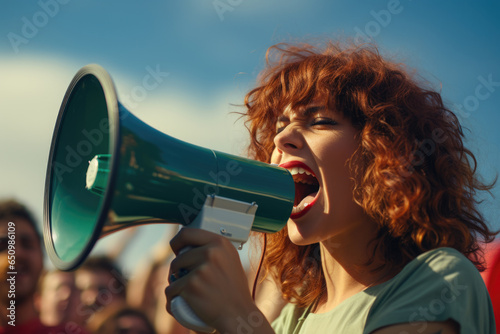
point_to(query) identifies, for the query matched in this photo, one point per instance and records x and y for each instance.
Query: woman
(385, 232)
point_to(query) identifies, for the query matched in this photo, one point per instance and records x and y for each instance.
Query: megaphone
(108, 170)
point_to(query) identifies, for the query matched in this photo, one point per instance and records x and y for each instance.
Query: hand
(214, 285)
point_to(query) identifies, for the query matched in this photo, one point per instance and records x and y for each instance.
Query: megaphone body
(108, 170)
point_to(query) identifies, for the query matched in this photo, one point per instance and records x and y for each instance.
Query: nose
(65, 293)
(289, 139)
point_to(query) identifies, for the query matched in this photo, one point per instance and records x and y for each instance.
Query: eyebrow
(304, 113)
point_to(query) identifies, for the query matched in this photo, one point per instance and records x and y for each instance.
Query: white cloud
(32, 91)
(180, 114)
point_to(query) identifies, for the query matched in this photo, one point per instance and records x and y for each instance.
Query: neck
(349, 268)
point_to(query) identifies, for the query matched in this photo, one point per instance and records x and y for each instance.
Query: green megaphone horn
(108, 171)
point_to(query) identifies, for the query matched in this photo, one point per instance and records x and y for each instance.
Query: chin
(300, 236)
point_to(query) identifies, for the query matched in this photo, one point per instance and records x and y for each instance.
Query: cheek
(275, 157)
(338, 183)
(36, 260)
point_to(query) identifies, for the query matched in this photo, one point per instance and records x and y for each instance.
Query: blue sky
(212, 52)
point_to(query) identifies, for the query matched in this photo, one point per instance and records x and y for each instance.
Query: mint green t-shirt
(438, 285)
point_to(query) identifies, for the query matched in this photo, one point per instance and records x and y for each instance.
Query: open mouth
(306, 188)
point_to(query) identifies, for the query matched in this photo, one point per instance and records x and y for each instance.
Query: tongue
(306, 200)
(304, 192)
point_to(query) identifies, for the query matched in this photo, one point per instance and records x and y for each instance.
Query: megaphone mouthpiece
(97, 174)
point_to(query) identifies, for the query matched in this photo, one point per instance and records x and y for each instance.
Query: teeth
(300, 207)
(299, 170)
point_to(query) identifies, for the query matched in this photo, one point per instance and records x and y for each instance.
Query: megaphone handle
(217, 215)
(185, 315)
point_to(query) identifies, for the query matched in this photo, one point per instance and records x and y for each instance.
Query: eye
(279, 129)
(323, 121)
(280, 126)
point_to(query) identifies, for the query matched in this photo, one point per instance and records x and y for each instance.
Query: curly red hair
(414, 176)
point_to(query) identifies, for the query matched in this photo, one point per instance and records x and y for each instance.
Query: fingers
(192, 237)
(198, 284)
(174, 289)
(187, 260)
(207, 273)
(195, 250)
(194, 247)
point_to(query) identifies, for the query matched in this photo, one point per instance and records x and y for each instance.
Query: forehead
(86, 277)
(307, 110)
(54, 278)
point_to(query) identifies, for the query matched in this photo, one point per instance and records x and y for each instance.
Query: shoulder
(441, 269)
(438, 285)
(438, 269)
(442, 261)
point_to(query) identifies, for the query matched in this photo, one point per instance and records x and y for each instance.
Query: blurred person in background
(58, 298)
(18, 313)
(102, 286)
(146, 284)
(126, 320)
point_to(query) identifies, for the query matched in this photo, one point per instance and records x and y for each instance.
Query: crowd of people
(95, 298)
